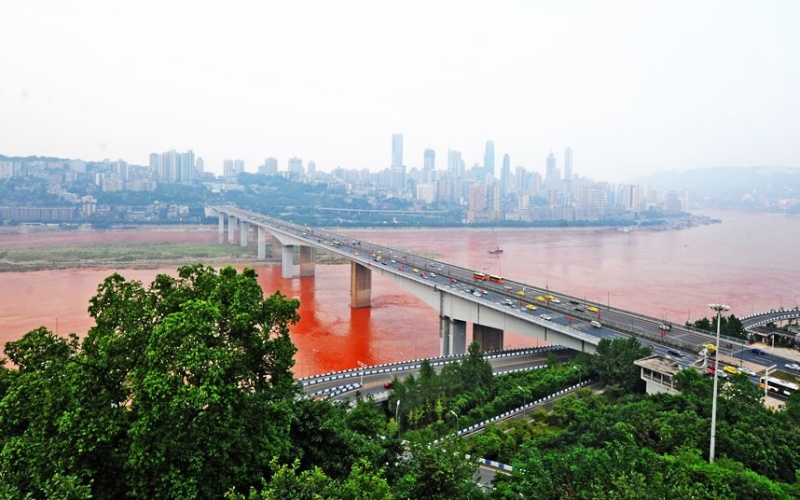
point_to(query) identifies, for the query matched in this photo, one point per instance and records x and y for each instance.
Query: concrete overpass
(491, 306)
(444, 293)
(774, 316)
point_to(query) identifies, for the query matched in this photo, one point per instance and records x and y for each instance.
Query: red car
(388, 385)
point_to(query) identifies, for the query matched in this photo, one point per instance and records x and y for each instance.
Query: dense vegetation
(184, 389)
(729, 326)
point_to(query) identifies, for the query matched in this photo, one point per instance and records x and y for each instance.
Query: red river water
(749, 262)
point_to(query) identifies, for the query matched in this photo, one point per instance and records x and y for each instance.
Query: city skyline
(631, 87)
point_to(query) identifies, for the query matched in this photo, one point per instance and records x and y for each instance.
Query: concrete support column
(244, 229)
(287, 261)
(458, 337)
(490, 339)
(231, 228)
(307, 255)
(262, 243)
(360, 286)
(221, 237)
(444, 336)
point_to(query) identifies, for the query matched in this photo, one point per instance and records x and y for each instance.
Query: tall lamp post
(719, 308)
(362, 365)
(455, 415)
(524, 401)
(396, 414)
(575, 367)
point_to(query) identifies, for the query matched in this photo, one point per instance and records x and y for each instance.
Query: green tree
(613, 362)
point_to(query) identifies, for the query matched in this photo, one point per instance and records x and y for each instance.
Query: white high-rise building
(397, 150)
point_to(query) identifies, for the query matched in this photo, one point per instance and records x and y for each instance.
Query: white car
(792, 366)
(546, 317)
(747, 371)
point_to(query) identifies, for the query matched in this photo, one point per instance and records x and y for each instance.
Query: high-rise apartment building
(455, 164)
(296, 170)
(428, 165)
(231, 170)
(270, 167)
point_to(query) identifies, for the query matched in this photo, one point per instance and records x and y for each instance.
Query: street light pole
(524, 401)
(362, 365)
(455, 415)
(719, 308)
(396, 414)
(580, 375)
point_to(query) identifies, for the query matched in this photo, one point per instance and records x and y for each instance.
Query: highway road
(520, 298)
(374, 377)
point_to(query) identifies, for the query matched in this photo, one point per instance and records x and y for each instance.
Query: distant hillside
(762, 188)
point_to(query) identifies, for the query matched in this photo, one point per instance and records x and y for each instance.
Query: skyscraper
(428, 165)
(397, 150)
(488, 160)
(505, 175)
(551, 176)
(398, 171)
(568, 164)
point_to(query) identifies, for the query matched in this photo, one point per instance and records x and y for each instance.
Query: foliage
(180, 390)
(613, 363)
(729, 326)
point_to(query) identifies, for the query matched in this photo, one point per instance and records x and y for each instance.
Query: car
(549, 297)
(675, 352)
(530, 307)
(792, 366)
(748, 371)
(555, 301)
(596, 324)
(433, 275)
(416, 270)
(577, 308)
(592, 309)
(720, 373)
(388, 385)
(709, 346)
(575, 302)
(484, 292)
(758, 351)
(477, 294)
(539, 298)
(546, 317)
(521, 293)
(730, 369)
(508, 302)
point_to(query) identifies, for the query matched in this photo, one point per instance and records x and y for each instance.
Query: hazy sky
(633, 87)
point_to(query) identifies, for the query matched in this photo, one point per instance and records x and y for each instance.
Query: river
(748, 262)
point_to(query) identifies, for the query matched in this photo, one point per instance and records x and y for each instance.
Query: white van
(596, 324)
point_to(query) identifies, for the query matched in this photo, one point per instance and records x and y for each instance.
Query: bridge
(773, 316)
(492, 306)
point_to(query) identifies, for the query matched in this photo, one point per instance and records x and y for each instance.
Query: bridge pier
(244, 229)
(452, 336)
(221, 230)
(231, 228)
(287, 261)
(490, 339)
(261, 244)
(360, 286)
(307, 265)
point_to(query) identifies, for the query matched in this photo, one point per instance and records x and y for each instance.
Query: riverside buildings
(519, 194)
